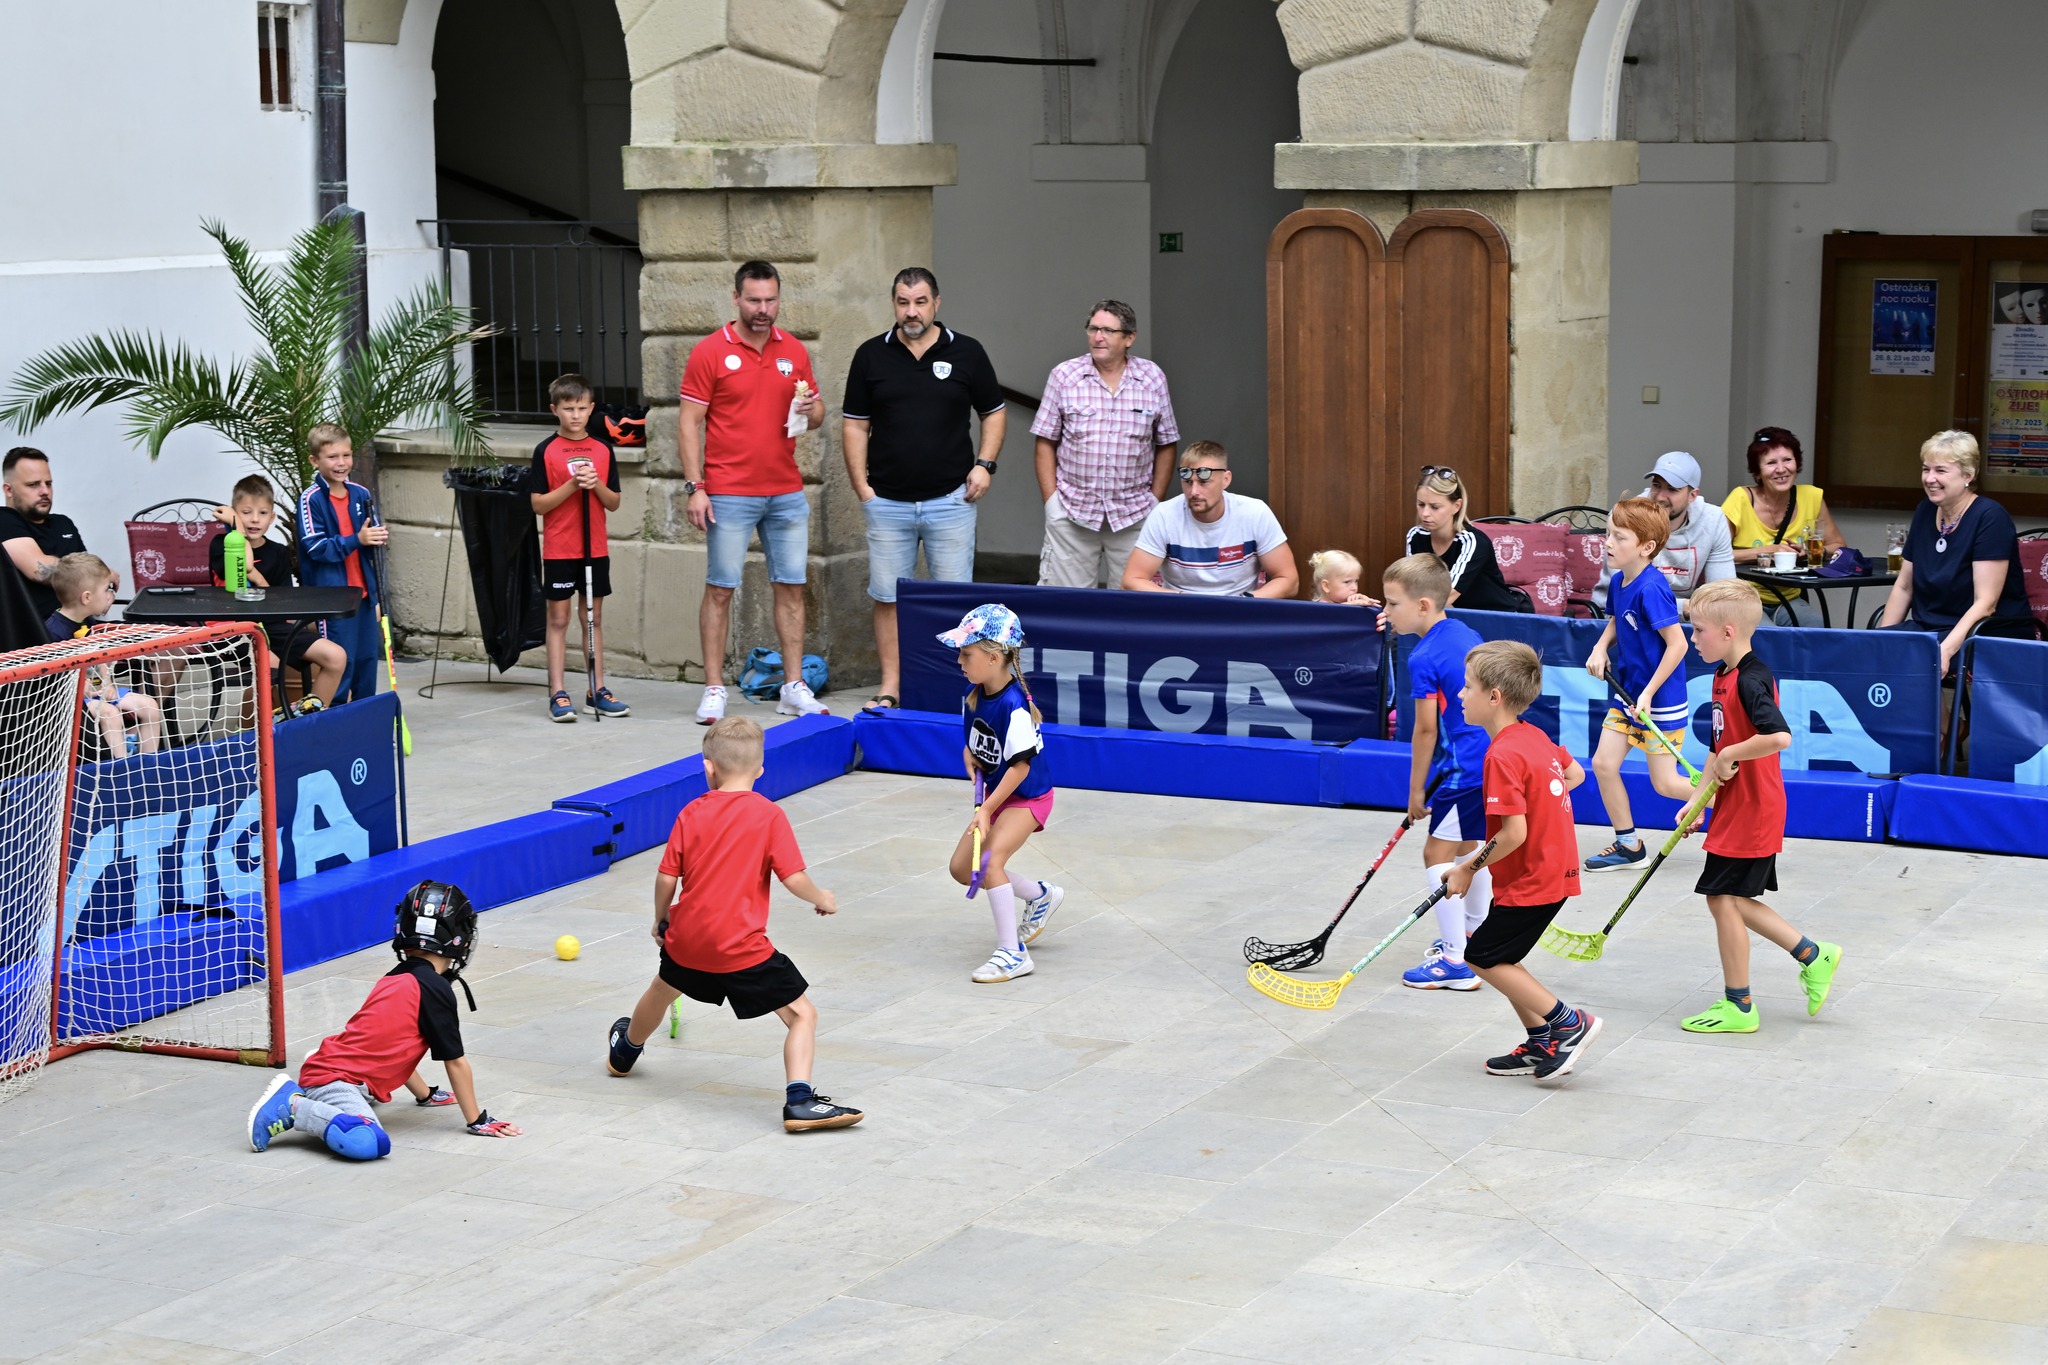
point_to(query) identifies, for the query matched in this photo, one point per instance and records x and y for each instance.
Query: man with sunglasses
(1104, 447)
(1209, 542)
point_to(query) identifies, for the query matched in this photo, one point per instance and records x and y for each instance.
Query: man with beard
(35, 537)
(909, 396)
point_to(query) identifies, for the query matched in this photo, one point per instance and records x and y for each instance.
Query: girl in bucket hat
(1005, 758)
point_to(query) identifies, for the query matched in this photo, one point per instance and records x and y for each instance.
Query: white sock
(1478, 899)
(1450, 917)
(1026, 890)
(1002, 903)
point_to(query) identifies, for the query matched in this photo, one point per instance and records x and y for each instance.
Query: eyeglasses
(1095, 331)
(1439, 471)
(1200, 475)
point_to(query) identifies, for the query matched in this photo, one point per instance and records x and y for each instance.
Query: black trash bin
(498, 536)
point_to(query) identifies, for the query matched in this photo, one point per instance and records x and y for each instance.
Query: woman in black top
(1442, 530)
(1962, 559)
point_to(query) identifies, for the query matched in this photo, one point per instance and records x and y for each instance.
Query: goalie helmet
(435, 917)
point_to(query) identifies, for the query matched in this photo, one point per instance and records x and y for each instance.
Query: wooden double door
(1382, 356)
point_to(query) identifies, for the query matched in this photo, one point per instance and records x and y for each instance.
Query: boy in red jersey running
(574, 482)
(1749, 811)
(713, 936)
(1535, 844)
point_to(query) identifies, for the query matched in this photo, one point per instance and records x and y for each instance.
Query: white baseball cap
(1677, 469)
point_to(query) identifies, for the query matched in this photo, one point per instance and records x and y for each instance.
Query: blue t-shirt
(1436, 672)
(1641, 609)
(1944, 582)
(999, 731)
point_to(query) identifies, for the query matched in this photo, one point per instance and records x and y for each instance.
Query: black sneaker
(623, 1053)
(1523, 1061)
(818, 1112)
(1566, 1044)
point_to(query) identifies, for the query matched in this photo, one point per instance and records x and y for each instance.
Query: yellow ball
(566, 947)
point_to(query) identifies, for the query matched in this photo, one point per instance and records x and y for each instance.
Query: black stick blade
(1286, 957)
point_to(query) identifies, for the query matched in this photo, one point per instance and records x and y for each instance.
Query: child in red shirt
(1749, 810)
(574, 482)
(1534, 847)
(713, 935)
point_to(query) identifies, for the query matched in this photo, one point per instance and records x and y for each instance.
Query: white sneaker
(712, 707)
(1007, 965)
(1037, 912)
(796, 700)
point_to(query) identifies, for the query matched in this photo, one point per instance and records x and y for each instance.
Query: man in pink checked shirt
(1104, 452)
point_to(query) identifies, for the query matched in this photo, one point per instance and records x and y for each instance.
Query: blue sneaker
(561, 710)
(1438, 973)
(603, 703)
(273, 1112)
(1616, 856)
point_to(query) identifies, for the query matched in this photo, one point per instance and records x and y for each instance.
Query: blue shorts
(1458, 816)
(945, 525)
(784, 521)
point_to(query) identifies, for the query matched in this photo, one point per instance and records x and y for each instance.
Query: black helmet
(435, 917)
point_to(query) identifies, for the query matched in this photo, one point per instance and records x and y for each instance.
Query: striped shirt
(1107, 442)
(1217, 558)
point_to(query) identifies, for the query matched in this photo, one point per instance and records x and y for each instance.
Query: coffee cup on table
(1784, 561)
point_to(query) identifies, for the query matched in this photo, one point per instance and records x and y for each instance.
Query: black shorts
(562, 579)
(761, 989)
(289, 646)
(1748, 877)
(1508, 933)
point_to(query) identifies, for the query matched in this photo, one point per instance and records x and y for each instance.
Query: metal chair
(1578, 517)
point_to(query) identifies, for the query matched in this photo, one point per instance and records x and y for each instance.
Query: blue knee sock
(357, 1138)
(1805, 951)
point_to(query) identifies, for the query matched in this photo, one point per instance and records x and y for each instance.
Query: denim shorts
(945, 525)
(784, 521)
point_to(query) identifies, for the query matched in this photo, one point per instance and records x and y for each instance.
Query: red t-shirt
(1749, 813)
(1525, 775)
(409, 1013)
(747, 452)
(724, 847)
(562, 530)
(352, 562)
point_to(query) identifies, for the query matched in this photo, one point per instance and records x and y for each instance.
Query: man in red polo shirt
(748, 393)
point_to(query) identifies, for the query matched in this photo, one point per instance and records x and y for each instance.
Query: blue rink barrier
(1972, 813)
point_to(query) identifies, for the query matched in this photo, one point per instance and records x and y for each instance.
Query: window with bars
(274, 55)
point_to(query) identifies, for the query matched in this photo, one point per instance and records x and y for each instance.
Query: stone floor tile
(1563, 1310)
(986, 1272)
(113, 1344)
(1420, 1248)
(1847, 1223)
(1629, 1126)
(1091, 1323)
(53, 1308)
(1301, 1194)
(1626, 1235)
(1918, 1160)
(1896, 1336)
(850, 1329)
(1973, 1277)
(1205, 1146)
(269, 1308)
(1805, 1298)
(1720, 1172)
(1320, 1317)
(1096, 1204)
(1201, 1260)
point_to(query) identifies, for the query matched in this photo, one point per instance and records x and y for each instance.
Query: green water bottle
(235, 560)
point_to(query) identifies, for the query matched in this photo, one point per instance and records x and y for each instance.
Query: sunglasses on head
(1201, 475)
(1439, 471)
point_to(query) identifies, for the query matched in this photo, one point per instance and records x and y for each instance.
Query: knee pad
(357, 1138)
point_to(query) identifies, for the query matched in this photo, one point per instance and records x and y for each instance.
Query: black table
(1808, 581)
(279, 606)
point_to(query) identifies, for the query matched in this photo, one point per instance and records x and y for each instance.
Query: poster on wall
(2016, 428)
(1902, 327)
(2019, 329)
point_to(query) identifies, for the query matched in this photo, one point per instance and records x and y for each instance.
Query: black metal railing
(562, 296)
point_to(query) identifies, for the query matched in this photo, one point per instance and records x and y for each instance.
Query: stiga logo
(1174, 693)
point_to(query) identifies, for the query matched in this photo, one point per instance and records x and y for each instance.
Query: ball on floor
(566, 947)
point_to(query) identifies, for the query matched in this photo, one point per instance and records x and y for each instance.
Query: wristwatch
(691, 488)
(989, 465)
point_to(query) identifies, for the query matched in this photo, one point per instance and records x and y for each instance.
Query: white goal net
(138, 878)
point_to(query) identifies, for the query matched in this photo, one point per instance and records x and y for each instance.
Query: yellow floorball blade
(1573, 947)
(1305, 995)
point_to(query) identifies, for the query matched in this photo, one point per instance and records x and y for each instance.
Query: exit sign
(1169, 241)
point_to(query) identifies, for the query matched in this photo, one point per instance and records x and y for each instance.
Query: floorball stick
(1321, 995)
(1662, 738)
(980, 858)
(1582, 947)
(1292, 957)
(675, 1018)
(391, 672)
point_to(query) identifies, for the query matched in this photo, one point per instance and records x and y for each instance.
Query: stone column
(838, 220)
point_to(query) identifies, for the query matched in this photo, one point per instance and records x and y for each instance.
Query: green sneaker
(1818, 975)
(1722, 1017)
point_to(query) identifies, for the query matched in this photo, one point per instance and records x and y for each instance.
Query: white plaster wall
(1228, 97)
(167, 132)
(1936, 120)
(1019, 260)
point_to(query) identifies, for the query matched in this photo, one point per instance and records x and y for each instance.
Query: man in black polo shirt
(34, 537)
(910, 395)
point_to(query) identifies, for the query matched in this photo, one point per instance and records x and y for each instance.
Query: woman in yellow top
(1776, 501)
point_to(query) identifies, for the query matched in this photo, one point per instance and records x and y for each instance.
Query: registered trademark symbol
(1880, 694)
(1304, 676)
(359, 772)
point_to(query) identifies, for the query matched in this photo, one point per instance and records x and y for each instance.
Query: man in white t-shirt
(1208, 542)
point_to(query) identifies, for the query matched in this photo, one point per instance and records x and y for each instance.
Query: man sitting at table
(1209, 541)
(253, 507)
(1700, 550)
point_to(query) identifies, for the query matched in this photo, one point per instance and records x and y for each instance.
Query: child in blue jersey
(1642, 651)
(1005, 752)
(1447, 761)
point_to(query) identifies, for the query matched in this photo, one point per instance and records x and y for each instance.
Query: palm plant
(298, 377)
